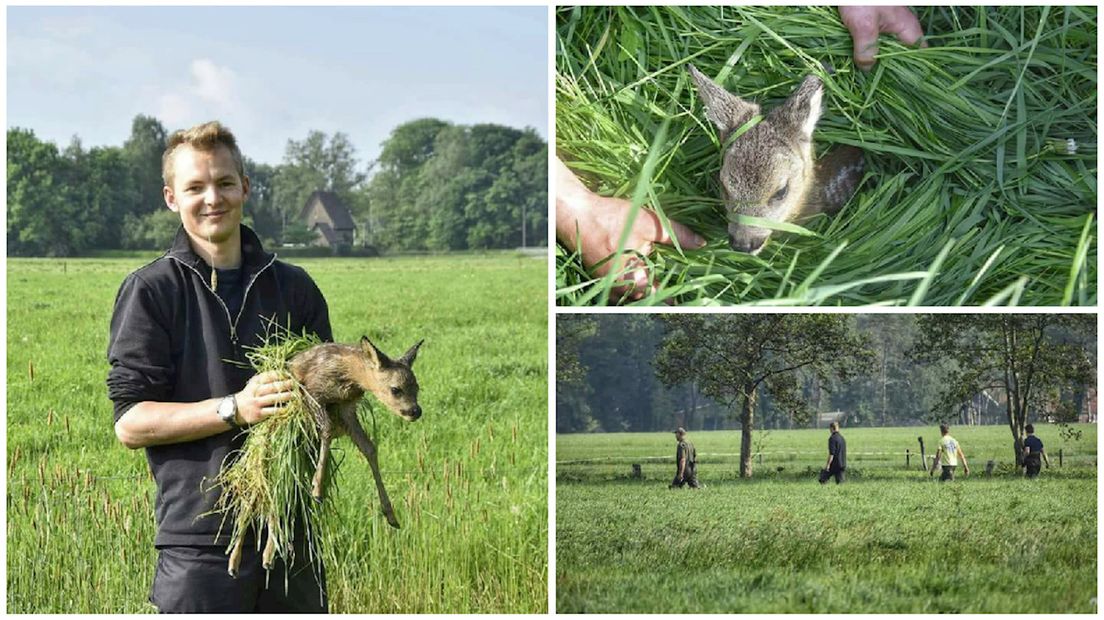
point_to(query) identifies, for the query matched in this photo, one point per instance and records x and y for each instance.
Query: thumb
(686, 237)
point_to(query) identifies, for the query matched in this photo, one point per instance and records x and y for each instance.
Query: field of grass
(468, 480)
(889, 540)
(973, 193)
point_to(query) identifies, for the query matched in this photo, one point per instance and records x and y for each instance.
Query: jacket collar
(254, 256)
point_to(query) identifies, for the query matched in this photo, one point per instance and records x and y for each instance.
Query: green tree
(143, 151)
(732, 356)
(318, 162)
(1026, 356)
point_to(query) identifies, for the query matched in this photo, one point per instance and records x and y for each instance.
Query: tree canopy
(436, 186)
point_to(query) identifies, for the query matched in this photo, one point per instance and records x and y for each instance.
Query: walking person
(181, 384)
(1033, 453)
(837, 456)
(948, 454)
(686, 462)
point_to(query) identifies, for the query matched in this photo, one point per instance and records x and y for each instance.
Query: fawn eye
(780, 194)
(396, 391)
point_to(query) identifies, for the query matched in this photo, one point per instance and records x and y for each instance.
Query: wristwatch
(228, 411)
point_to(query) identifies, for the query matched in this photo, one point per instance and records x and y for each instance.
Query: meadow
(889, 540)
(980, 152)
(468, 480)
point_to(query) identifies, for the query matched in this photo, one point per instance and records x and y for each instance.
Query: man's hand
(595, 223)
(867, 22)
(966, 468)
(263, 396)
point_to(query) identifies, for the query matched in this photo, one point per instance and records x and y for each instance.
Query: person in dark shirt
(837, 456)
(686, 462)
(181, 386)
(1033, 453)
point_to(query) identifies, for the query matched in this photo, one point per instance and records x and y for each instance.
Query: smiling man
(181, 383)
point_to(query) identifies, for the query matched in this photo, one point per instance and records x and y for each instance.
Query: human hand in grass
(867, 22)
(263, 396)
(596, 223)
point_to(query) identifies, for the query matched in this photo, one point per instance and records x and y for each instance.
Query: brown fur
(768, 171)
(336, 376)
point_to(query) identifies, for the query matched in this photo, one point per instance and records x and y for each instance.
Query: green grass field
(889, 540)
(980, 151)
(468, 480)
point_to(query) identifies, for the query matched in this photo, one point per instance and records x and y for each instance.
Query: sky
(274, 73)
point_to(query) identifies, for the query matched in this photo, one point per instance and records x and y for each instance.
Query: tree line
(753, 371)
(436, 186)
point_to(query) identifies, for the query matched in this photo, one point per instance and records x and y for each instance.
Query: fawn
(768, 171)
(336, 376)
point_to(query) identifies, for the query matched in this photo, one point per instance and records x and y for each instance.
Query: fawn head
(768, 170)
(393, 381)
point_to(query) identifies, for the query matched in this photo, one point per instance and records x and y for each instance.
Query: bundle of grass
(980, 152)
(266, 485)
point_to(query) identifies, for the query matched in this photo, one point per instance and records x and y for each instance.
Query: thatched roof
(336, 210)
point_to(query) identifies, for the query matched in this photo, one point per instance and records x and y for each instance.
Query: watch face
(226, 409)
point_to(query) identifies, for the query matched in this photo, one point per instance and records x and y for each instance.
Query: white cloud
(212, 83)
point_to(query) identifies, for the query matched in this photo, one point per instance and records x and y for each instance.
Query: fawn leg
(360, 438)
(235, 558)
(270, 547)
(325, 431)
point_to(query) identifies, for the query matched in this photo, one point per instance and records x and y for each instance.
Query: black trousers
(690, 477)
(826, 475)
(948, 473)
(1033, 464)
(195, 580)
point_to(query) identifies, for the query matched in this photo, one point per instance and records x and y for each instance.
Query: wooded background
(908, 369)
(436, 186)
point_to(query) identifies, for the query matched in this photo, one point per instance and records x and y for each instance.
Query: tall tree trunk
(747, 425)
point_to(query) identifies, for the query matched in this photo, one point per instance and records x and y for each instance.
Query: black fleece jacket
(173, 340)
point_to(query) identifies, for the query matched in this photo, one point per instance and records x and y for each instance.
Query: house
(325, 214)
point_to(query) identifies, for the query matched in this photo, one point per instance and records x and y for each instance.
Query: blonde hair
(205, 137)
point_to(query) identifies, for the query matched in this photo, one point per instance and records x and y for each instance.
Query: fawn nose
(415, 413)
(748, 240)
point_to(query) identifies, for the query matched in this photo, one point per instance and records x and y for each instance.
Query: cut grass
(971, 196)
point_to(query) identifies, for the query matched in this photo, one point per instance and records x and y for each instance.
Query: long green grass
(889, 540)
(468, 480)
(970, 198)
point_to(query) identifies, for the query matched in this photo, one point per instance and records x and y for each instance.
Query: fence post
(923, 457)
(989, 467)
(1059, 457)
(760, 458)
(907, 457)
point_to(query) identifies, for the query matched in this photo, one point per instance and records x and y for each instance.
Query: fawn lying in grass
(768, 171)
(335, 377)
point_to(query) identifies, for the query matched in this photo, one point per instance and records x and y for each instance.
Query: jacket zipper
(245, 296)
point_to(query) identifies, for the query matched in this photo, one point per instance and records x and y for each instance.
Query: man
(181, 384)
(1033, 453)
(837, 456)
(686, 459)
(949, 454)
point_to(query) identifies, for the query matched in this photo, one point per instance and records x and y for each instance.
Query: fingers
(652, 230)
(863, 24)
(866, 23)
(901, 22)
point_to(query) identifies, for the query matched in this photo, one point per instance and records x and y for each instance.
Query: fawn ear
(799, 114)
(408, 358)
(376, 357)
(727, 111)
